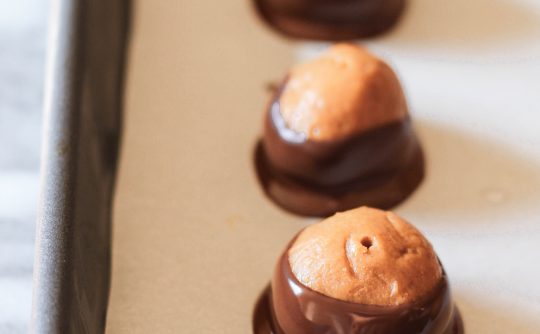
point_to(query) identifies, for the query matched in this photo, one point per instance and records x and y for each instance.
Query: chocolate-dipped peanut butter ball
(330, 19)
(337, 135)
(360, 271)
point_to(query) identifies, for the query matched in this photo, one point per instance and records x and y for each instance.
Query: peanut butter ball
(365, 256)
(343, 92)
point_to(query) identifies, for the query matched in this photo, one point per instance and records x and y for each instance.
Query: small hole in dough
(366, 242)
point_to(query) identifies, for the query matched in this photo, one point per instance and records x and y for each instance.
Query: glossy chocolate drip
(289, 307)
(378, 168)
(331, 20)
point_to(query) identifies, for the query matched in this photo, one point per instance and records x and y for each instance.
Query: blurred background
(23, 30)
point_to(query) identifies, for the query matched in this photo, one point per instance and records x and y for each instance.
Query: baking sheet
(83, 99)
(195, 239)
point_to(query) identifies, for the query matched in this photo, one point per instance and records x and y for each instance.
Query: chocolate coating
(330, 20)
(379, 167)
(289, 307)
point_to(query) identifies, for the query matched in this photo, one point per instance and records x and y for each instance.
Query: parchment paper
(195, 239)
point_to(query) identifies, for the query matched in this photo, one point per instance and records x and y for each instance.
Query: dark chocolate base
(330, 20)
(380, 191)
(302, 310)
(379, 167)
(264, 320)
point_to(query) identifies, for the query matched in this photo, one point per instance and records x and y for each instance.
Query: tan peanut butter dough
(365, 256)
(343, 92)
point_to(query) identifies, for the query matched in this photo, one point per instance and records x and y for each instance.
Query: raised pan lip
(70, 295)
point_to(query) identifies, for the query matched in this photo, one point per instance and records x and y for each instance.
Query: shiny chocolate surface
(330, 20)
(378, 168)
(289, 307)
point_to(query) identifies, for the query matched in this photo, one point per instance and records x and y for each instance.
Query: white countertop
(22, 52)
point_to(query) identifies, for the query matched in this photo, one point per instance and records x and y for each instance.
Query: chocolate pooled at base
(330, 20)
(309, 312)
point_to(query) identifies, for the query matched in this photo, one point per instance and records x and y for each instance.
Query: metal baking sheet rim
(81, 138)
